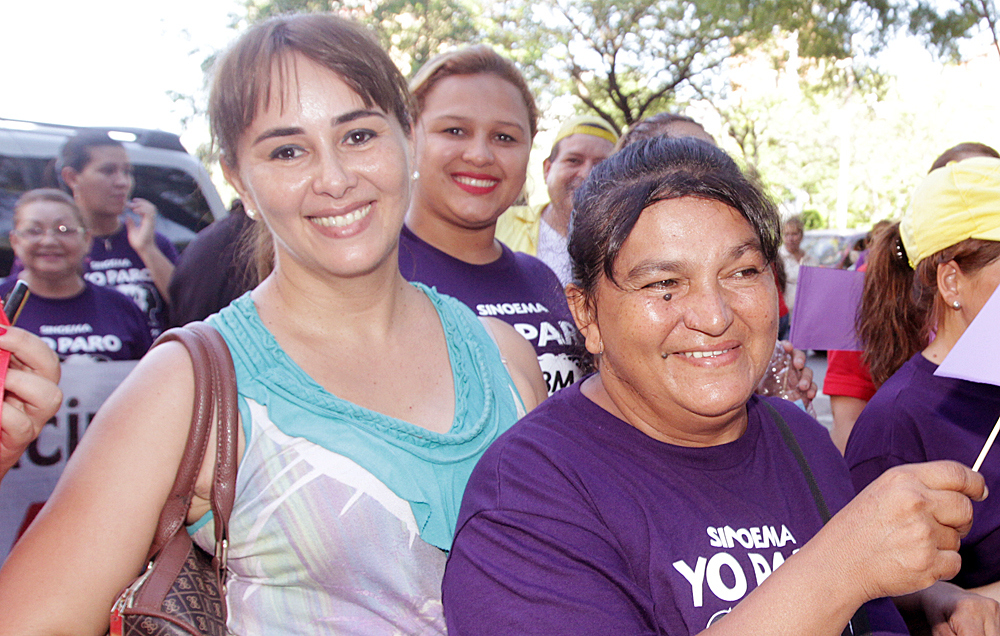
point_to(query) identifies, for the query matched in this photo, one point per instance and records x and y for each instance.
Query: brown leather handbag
(183, 588)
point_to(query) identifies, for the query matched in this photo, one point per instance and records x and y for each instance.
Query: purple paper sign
(826, 303)
(976, 354)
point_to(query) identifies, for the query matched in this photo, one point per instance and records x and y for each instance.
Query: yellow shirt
(517, 228)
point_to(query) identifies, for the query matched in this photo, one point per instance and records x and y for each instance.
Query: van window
(175, 194)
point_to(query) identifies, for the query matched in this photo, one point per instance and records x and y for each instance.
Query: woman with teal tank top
(365, 401)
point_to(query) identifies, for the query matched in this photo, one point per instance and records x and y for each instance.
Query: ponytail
(256, 248)
(892, 324)
(899, 306)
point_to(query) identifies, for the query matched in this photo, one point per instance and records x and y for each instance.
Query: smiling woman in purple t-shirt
(659, 496)
(72, 315)
(475, 121)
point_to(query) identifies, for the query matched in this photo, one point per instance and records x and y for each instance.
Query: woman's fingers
(952, 510)
(31, 385)
(29, 402)
(951, 611)
(950, 476)
(31, 393)
(29, 352)
(904, 530)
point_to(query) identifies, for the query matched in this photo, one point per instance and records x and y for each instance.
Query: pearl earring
(251, 214)
(956, 305)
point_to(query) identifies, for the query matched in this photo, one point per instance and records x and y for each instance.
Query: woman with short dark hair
(660, 495)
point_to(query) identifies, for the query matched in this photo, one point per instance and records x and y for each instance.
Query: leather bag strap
(227, 416)
(175, 510)
(214, 400)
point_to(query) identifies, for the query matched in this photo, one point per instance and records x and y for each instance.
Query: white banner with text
(85, 385)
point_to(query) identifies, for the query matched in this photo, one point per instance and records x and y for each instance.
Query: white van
(165, 174)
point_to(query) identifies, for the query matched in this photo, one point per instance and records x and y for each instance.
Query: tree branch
(991, 21)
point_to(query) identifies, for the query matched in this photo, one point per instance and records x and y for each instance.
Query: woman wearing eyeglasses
(74, 317)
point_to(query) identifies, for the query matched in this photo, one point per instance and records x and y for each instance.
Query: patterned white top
(342, 515)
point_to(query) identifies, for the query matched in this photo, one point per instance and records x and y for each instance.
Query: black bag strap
(793, 445)
(859, 624)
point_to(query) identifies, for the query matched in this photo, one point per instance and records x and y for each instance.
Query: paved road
(817, 362)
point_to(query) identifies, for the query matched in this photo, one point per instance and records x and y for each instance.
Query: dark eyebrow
(752, 245)
(652, 267)
(337, 121)
(277, 132)
(459, 118)
(356, 114)
(648, 268)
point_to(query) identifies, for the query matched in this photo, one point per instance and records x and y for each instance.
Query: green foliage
(826, 28)
(623, 59)
(628, 59)
(827, 131)
(261, 10)
(812, 220)
(412, 31)
(851, 155)
(507, 26)
(943, 26)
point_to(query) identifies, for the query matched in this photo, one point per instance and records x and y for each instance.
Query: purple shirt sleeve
(166, 247)
(587, 586)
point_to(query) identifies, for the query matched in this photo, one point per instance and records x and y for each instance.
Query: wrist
(146, 251)
(837, 554)
(912, 603)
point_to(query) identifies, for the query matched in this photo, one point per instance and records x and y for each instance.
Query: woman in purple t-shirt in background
(475, 119)
(659, 495)
(75, 317)
(932, 273)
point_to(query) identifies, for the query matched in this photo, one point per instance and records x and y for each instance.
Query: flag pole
(986, 447)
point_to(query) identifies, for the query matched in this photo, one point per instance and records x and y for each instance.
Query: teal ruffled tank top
(428, 470)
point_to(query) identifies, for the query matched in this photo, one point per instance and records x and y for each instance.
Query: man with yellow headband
(581, 143)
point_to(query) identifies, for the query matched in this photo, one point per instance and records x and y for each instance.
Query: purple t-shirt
(917, 417)
(516, 288)
(97, 323)
(113, 263)
(575, 522)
